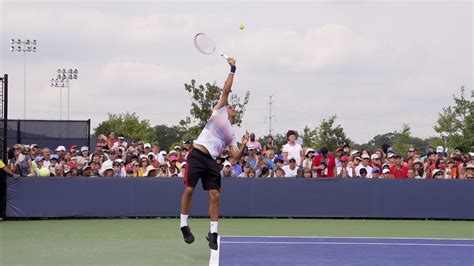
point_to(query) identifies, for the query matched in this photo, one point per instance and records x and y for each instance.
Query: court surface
(159, 241)
(277, 250)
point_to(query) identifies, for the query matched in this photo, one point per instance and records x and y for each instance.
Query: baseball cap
(121, 138)
(309, 150)
(84, 148)
(150, 154)
(113, 152)
(74, 146)
(354, 152)
(177, 147)
(172, 158)
(251, 147)
(365, 155)
(439, 149)
(344, 158)
(358, 158)
(147, 145)
(61, 148)
(390, 149)
(374, 156)
(39, 158)
(417, 161)
(470, 166)
(163, 152)
(227, 163)
(386, 171)
(436, 171)
(376, 170)
(390, 155)
(55, 157)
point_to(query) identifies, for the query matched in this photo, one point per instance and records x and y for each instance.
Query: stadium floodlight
(62, 81)
(23, 46)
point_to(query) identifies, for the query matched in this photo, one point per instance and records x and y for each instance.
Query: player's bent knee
(214, 194)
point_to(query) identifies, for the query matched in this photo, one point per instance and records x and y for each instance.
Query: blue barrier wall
(132, 197)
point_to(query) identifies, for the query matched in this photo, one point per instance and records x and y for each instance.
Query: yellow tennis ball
(242, 26)
(44, 172)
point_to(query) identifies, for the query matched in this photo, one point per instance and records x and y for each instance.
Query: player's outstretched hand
(245, 138)
(231, 61)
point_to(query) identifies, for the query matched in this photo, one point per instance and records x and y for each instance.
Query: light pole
(62, 81)
(23, 46)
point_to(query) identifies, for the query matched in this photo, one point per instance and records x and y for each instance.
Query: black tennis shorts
(200, 165)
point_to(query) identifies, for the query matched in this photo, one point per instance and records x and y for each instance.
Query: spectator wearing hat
(61, 152)
(146, 148)
(54, 167)
(186, 145)
(398, 170)
(440, 152)
(119, 168)
(73, 150)
(87, 171)
(179, 154)
(40, 170)
(163, 171)
(438, 174)
(254, 142)
(292, 149)
(173, 166)
(469, 171)
(325, 163)
(144, 163)
(150, 171)
(365, 164)
(110, 161)
(308, 161)
(182, 170)
(83, 158)
(252, 154)
(120, 142)
(20, 163)
(344, 170)
(375, 172)
(245, 171)
(227, 170)
(291, 170)
(152, 158)
(386, 173)
(418, 167)
(108, 171)
(375, 161)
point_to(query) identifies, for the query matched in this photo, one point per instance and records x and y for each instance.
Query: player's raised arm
(237, 152)
(227, 85)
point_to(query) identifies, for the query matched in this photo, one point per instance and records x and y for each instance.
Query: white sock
(214, 227)
(184, 219)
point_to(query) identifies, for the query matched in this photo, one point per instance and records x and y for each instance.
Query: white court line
(355, 237)
(214, 258)
(347, 243)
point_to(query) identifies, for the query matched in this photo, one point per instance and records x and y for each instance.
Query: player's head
(231, 112)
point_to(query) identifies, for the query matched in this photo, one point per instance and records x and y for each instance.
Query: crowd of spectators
(115, 157)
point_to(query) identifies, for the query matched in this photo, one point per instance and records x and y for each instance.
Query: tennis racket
(205, 45)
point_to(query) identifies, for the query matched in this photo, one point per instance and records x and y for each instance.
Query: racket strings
(204, 44)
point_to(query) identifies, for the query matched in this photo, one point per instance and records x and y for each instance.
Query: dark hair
(324, 150)
(289, 133)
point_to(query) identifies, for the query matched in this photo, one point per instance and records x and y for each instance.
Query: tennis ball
(242, 26)
(44, 172)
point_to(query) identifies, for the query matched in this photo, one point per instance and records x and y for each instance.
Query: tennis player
(201, 161)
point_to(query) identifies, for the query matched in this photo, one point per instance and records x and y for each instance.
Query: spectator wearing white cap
(83, 158)
(252, 150)
(146, 148)
(386, 173)
(308, 161)
(440, 152)
(150, 171)
(292, 149)
(110, 161)
(365, 164)
(227, 170)
(375, 161)
(61, 152)
(151, 156)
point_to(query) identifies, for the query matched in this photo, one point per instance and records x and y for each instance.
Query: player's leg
(185, 207)
(214, 196)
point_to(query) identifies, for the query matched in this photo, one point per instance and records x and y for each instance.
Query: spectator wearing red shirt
(325, 163)
(398, 170)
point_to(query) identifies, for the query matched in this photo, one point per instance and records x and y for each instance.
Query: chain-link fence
(48, 133)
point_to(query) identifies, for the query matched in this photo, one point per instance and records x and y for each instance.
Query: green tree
(329, 135)
(128, 125)
(168, 136)
(203, 100)
(309, 137)
(403, 142)
(377, 141)
(458, 122)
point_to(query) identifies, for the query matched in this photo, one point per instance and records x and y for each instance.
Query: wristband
(232, 69)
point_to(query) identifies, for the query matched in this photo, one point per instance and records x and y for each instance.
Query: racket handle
(224, 55)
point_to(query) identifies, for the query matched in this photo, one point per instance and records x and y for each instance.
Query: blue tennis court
(268, 250)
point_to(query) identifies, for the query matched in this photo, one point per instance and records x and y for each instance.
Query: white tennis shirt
(218, 133)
